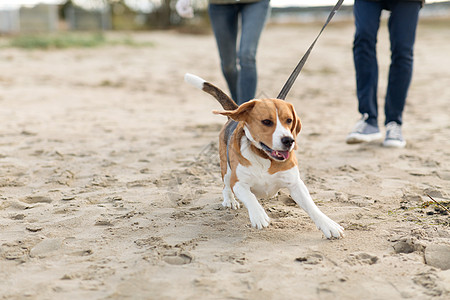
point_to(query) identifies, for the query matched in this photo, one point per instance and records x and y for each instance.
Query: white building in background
(39, 18)
(29, 15)
(9, 20)
(42, 15)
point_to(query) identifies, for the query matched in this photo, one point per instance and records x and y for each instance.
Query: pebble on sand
(43, 248)
(438, 255)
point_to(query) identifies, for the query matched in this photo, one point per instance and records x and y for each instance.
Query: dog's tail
(224, 100)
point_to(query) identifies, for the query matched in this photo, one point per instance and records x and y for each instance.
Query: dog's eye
(267, 122)
(289, 121)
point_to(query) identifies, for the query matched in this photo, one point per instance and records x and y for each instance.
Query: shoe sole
(394, 144)
(357, 138)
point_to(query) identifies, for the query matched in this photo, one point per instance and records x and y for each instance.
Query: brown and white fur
(257, 158)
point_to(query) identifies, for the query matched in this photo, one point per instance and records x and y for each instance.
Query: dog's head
(272, 125)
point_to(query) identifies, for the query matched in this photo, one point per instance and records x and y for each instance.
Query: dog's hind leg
(228, 197)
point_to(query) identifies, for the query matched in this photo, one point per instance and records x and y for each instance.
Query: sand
(110, 185)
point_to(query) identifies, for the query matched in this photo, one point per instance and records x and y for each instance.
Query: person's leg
(253, 17)
(367, 21)
(402, 30)
(224, 22)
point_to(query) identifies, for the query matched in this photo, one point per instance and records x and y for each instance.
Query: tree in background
(162, 16)
(138, 14)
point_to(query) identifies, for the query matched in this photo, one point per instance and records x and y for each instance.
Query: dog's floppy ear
(239, 114)
(297, 127)
(296, 124)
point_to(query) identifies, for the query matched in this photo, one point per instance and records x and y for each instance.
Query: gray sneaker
(394, 138)
(363, 132)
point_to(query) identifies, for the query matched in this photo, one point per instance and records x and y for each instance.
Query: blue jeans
(239, 66)
(402, 26)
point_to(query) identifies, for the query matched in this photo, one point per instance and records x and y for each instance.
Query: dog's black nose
(287, 141)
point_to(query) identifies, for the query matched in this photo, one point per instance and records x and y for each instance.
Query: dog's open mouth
(275, 154)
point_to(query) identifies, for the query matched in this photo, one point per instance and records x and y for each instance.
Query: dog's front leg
(256, 212)
(301, 196)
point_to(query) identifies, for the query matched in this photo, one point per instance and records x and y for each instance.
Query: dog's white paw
(330, 228)
(259, 218)
(228, 199)
(231, 203)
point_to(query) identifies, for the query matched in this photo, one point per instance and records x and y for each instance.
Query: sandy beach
(110, 183)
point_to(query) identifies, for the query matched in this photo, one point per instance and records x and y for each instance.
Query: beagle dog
(257, 158)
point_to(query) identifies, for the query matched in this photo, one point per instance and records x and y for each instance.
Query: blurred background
(43, 16)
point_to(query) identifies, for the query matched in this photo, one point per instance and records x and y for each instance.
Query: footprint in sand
(177, 258)
(361, 258)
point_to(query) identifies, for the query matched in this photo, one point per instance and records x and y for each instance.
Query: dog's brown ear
(296, 130)
(239, 114)
(296, 125)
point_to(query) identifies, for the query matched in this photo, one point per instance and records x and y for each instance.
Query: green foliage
(46, 41)
(69, 40)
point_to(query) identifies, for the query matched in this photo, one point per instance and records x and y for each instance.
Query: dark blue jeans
(239, 66)
(402, 26)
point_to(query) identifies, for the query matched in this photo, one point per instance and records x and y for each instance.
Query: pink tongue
(280, 154)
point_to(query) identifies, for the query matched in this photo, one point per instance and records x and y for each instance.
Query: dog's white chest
(257, 176)
(265, 188)
(261, 183)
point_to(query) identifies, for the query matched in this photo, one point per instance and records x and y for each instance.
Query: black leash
(287, 86)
